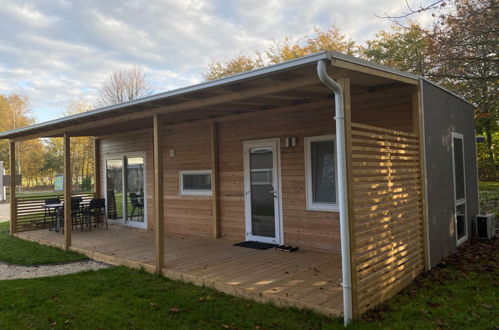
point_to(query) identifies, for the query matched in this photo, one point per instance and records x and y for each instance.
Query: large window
(320, 167)
(195, 182)
(459, 187)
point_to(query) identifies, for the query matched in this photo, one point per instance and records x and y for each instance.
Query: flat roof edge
(381, 67)
(182, 90)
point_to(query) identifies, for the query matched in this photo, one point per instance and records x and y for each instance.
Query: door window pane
(323, 172)
(459, 168)
(262, 196)
(135, 188)
(114, 180)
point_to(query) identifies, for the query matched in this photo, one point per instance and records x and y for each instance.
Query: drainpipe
(342, 188)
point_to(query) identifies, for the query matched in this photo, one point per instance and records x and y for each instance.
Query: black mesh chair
(50, 213)
(137, 206)
(96, 209)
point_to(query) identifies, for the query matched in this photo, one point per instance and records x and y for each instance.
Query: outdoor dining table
(58, 207)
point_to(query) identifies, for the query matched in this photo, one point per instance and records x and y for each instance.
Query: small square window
(320, 160)
(195, 183)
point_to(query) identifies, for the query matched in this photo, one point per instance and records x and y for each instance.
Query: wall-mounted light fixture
(290, 141)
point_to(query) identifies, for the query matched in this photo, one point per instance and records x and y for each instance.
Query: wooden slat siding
(387, 212)
(29, 210)
(187, 215)
(130, 143)
(316, 230)
(388, 108)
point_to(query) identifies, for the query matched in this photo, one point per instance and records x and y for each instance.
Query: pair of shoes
(287, 248)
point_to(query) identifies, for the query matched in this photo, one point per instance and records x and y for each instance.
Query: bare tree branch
(123, 86)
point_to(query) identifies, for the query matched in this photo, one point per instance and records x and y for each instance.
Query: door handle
(274, 192)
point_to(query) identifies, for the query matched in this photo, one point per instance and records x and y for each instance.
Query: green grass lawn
(17, 251)
(119, 298)
(462, 294)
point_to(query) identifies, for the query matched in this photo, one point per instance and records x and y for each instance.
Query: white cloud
(58, 51)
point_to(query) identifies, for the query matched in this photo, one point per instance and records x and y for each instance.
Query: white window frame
(462, 201)
(195, 192)
(122, 156)
(311, 205)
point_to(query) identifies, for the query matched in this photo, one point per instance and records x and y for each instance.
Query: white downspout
(342, 187)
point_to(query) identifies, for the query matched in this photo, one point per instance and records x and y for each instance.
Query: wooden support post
(67, 191)
(12, 188)
(418, 128)
(97, 178)
(159, 220)
(347, 107)
(215, 181)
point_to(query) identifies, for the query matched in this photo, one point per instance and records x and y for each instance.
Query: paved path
(10, 272)
(4, 212)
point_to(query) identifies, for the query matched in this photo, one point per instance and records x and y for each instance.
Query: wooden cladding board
(30, 211)
(387, 212)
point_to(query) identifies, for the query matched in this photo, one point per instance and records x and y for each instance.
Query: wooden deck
(303, 279)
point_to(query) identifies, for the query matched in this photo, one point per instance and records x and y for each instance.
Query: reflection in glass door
(125, 185)
(114, 184)
(135, 189)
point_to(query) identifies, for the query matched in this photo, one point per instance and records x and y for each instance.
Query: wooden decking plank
(217, 264)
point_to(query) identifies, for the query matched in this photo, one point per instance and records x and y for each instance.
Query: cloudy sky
(58, 51)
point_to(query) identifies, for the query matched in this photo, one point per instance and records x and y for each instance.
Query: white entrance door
(262, 191)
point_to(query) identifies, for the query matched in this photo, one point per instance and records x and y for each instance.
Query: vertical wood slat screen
(387, 207)
(30, 210)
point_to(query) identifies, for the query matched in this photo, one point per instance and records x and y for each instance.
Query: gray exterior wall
(443, 114)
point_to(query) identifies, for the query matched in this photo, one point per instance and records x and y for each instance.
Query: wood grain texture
(12, 187)
(387, 212)
(67, 191)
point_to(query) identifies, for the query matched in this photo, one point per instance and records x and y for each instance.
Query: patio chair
(76, 211)
(137, 205)
(50, 213)
(96, 209)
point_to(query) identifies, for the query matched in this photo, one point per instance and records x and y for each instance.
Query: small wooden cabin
(253, 157)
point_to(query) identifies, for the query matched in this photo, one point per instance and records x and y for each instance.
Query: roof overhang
(287, 84)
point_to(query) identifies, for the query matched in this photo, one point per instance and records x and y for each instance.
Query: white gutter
(342, 187)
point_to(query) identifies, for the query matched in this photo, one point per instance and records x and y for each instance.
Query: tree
(332, 39)
(464, 53)
(409, 49)
(467, 39)
(124, 85)
(15, 112)
(238, 64)
(284, 50)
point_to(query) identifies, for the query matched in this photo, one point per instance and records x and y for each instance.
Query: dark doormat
(256, 245)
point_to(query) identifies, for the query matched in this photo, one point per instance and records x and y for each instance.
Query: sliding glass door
(125, 190)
